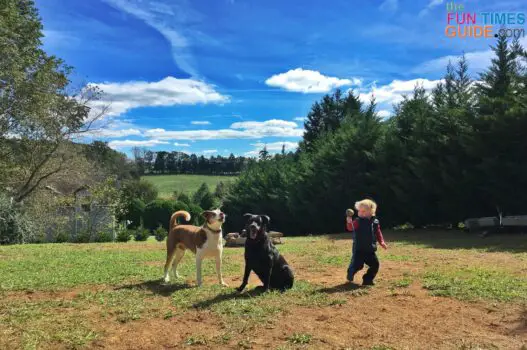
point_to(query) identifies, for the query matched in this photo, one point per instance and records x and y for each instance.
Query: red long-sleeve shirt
(353, 225)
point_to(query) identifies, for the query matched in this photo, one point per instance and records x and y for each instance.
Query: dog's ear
(207, 214)
(247, 215)
(266, 219)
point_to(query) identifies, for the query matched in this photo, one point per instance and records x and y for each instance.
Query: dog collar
(213, 231)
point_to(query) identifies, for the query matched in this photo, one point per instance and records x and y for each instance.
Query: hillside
(167, 184)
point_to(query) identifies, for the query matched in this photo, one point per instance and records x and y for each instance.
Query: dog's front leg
(199, 258)
(218, 270)
(267, 281)
(245, 277)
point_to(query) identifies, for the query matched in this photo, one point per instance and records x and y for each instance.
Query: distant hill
(167, 184)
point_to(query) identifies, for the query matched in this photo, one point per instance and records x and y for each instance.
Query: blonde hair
(349, 211)
(368, 203)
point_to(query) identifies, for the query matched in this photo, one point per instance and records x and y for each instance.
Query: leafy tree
(39, 116)
(142, 189)
(204, 198)
(160, 162)
(264, 154)
(327, 116)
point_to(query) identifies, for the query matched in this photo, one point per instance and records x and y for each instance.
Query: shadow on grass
(344, 287)
(229, 296)
(157, 287)
(453, 239)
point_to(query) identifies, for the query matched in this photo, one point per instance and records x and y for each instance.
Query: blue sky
(220, 76)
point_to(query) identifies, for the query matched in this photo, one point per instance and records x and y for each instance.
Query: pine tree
(264, 154)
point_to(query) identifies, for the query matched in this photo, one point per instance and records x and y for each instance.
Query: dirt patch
(396, 313)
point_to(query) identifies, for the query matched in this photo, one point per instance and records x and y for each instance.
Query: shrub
(104, 236)
(183, 197)
(143, 190)
(82, 237)
(134, 212)
(204, 198)
(195, 213)
(123, 235)
(159, 211)
(61, 237)
(141, 234)
(160, 233)
(15, 226)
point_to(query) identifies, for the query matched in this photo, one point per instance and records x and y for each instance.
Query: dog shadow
(344, 287)
(157, 287)
(229, 296)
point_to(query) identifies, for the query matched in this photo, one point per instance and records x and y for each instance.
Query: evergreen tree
(264, 154)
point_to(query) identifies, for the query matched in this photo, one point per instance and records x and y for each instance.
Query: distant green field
(167, 184)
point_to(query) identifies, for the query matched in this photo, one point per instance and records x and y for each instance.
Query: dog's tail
(177, 214)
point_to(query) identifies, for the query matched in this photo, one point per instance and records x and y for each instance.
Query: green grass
(30, 321)
(68, 295)
(404, 282)
(300, 338)
(251, 307)
(476, 283)
(60, 266)
(168, 184)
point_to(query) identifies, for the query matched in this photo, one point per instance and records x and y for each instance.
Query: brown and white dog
(204, 241)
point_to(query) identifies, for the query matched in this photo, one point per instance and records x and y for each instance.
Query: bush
(141, 234)
(61, 237)
(183, 197)
(204, 198)
(15, 226)
(195, 214)
(134, 212)
(82, 237)
(123, 235)
(160, 233)
(104, 236)
(159, 211)
(143, 190)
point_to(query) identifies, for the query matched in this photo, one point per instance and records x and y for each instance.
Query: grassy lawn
(444, 290)
(167, 184)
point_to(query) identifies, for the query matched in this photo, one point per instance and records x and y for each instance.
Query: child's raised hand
(384, 246)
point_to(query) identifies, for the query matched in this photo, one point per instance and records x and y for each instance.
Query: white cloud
(239, 130)
(112, 133)
(300, 119)
(383, 113)
(200, 122)
(210, 151)
(121, 97)
(278, 123)
(181, 144)
(173, 20)
(389, 6)
(135, 143)
(273, 147)
(430, 6)
(394, 92)
(478, 61)
(308, 81)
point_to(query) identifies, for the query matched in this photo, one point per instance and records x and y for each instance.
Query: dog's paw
(240, 289)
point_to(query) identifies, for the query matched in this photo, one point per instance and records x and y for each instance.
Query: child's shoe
(368, 283)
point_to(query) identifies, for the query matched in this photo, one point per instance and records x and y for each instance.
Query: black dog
(262, 257)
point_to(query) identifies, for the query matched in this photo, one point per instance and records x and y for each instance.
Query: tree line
(455, 152)
(162, 162)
